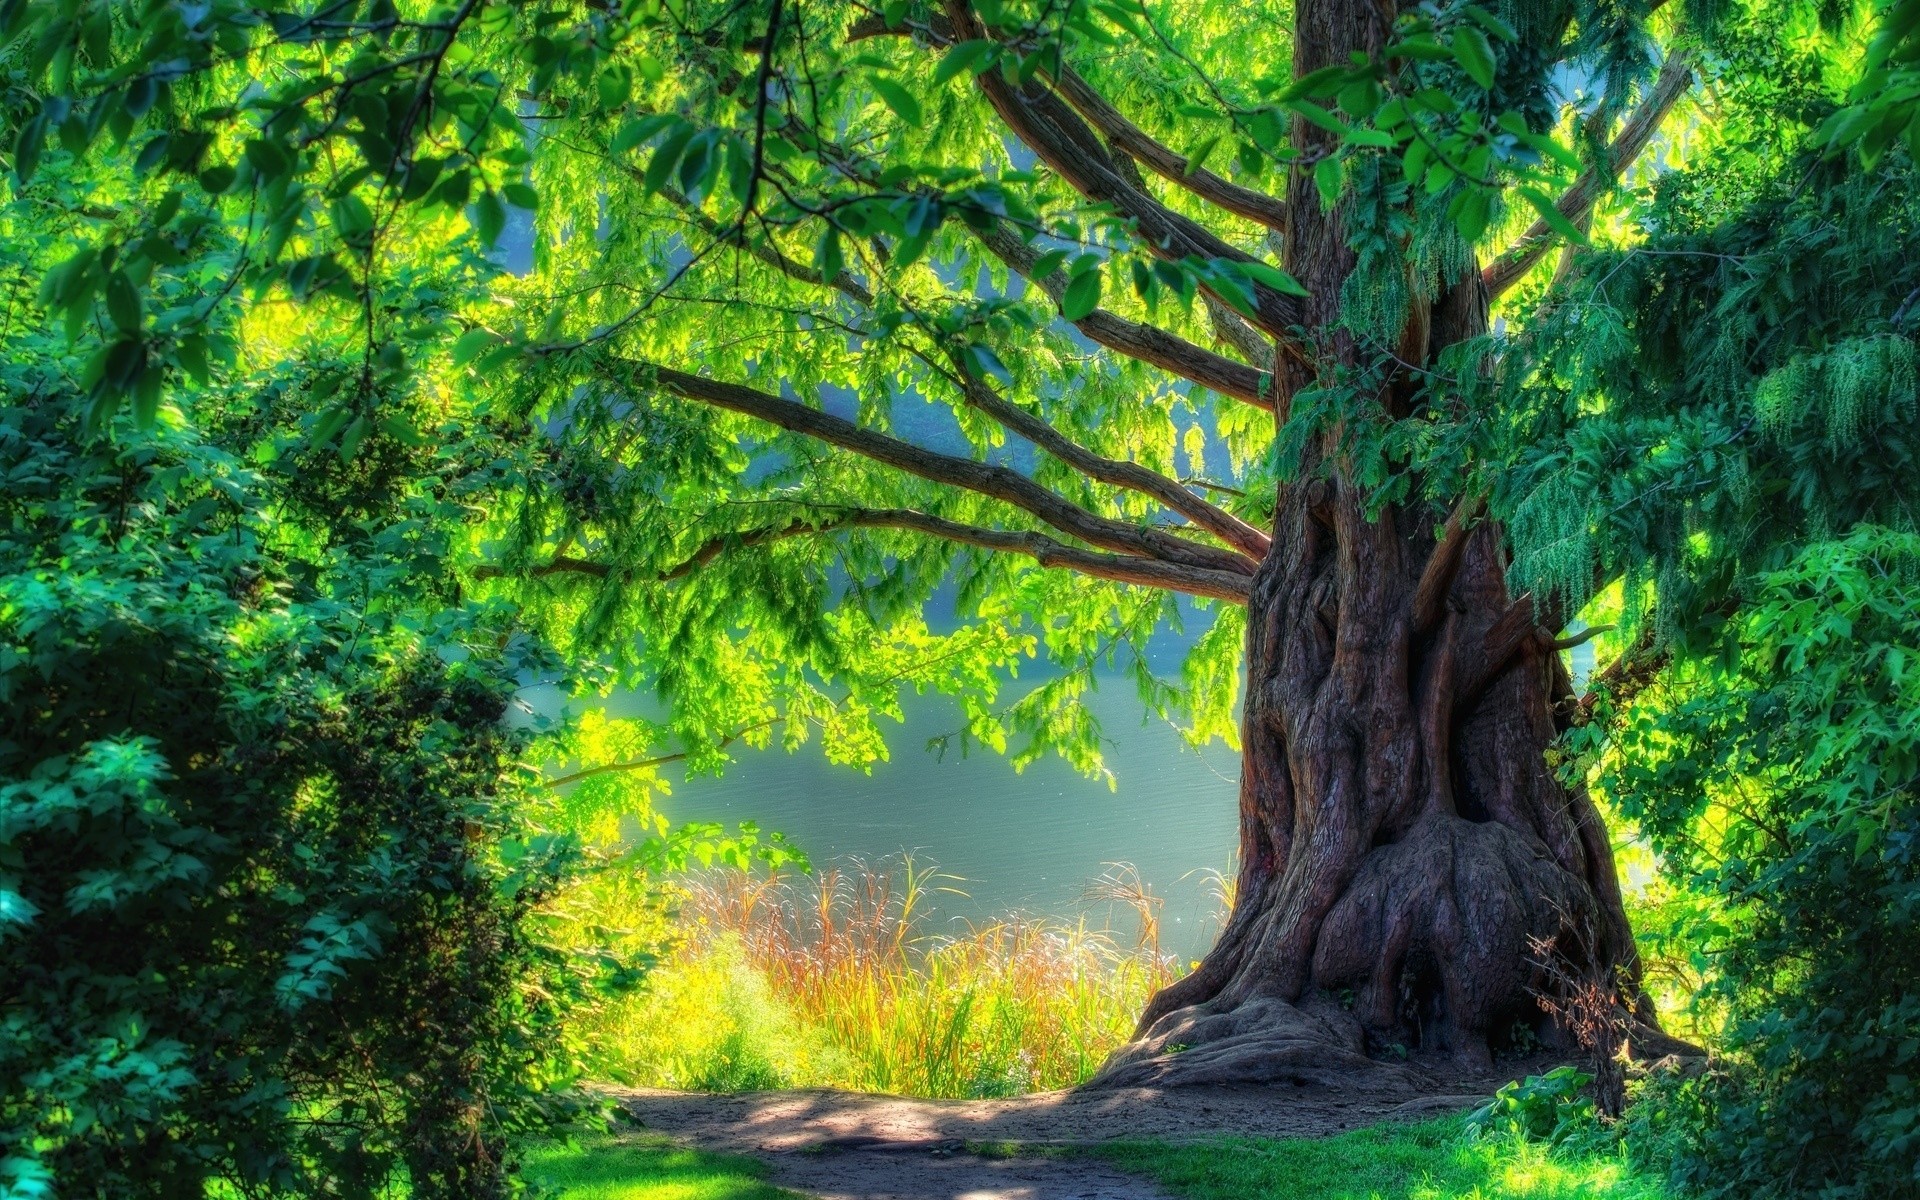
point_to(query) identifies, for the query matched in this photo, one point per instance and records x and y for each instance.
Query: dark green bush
(268, 870)
(1784, 783)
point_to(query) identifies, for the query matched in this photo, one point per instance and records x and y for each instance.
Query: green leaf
(1272, 277)
(1377, 138)
(521, 195)
(827, 256)
(488, 217)
(1197, 160)
(1475, 55)
(123, 302)
(1082, 295)
(1551, 214)
(899, 99)
(27, 145)
(1493, 24)
(616, 86)
(1470, 211)
(1048, 263)
(666, 156)
(470, 344)
(972, 57)
(1328, 176)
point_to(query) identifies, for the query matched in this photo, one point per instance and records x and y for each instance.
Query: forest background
(303, 488)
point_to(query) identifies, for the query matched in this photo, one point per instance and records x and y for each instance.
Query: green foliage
(1691, 411)
(1546, 1108)
(267, 860)
(1783, 785)
(274, 859)
(1438, 1160)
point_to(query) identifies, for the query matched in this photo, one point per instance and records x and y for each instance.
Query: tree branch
(987, 479)
(1035, 429)
(1222, 524)
(1676, 76)
(1135, 339)
(1123, 134)
(1232, 586)
(1052, 130)
(1436, 578)
(1136, 144)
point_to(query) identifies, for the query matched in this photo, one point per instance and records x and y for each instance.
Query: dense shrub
(1784, 784)
(267, 859)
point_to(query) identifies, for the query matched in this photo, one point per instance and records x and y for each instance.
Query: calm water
(1028, 842)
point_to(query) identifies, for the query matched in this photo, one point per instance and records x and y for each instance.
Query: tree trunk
(1403, 842)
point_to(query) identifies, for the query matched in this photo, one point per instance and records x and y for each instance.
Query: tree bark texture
(1403, 842)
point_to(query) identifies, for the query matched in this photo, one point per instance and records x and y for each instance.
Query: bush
(1543, 1108)
(1782, 782)
(267, 863)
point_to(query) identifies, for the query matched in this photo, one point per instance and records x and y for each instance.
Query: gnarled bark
(1402, 839)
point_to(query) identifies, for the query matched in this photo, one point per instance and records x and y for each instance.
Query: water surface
(1029, 842)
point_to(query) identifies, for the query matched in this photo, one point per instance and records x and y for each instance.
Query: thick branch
(1136, 144)
(988, 479)
(1052, 130)
(1437, 577)
(1133, 476)
(1148, 343)
(1123, 134)
(1676, 76)
(1232, 586)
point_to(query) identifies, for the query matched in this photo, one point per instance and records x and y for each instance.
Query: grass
(642, 1168)
(1437, 1160)
(830, 980)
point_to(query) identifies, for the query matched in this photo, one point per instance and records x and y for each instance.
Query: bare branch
(1676, 76)
(1581, 638)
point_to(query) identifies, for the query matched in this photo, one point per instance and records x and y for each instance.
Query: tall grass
(831, 979)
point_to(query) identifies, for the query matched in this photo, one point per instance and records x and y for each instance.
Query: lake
(1028, 842)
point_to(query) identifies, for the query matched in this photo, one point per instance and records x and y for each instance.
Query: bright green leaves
(1426, 103)
(1884, 103)
(1551, 214)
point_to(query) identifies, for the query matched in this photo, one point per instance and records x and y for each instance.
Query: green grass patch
(647, 1168)
(1437, 1160)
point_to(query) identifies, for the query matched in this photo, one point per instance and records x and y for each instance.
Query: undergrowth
(1439, 1160)
(830, 980)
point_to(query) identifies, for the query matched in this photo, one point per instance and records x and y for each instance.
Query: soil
(857, 1146)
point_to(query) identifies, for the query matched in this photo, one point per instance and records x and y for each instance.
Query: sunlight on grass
(647, 1169)
(1434, 1161)
(827, 981)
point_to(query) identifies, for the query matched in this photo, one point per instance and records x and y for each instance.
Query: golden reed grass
(832, 979)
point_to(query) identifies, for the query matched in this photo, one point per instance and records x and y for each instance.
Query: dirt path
(852, 1146)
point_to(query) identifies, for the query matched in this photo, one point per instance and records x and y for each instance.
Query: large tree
(774, 240)
(1087, 307)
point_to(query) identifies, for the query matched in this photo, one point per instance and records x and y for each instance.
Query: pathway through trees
(856, 1146)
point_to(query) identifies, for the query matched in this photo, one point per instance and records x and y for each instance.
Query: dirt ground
(853, 1146)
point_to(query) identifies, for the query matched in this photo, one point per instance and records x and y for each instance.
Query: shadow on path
(856, 1146)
